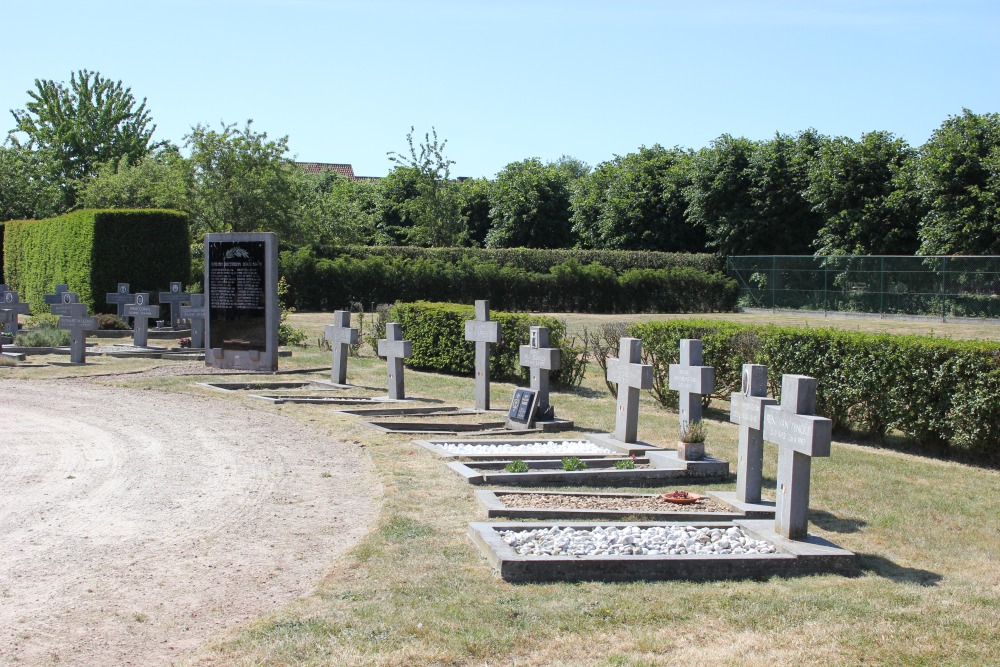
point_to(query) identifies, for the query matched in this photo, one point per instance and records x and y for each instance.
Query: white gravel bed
(634, 541)
(515, 448)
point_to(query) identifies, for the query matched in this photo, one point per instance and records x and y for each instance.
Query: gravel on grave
(635, 503)
(514, 448)
(634, 541)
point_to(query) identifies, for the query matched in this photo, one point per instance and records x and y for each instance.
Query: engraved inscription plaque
(237, 291)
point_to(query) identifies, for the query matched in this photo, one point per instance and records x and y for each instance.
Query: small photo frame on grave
(523, 407)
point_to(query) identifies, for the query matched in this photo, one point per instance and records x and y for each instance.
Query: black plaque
(522, 406)
(237, 290)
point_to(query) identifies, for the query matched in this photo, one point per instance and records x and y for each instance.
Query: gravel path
(136, 526)
(635, 503)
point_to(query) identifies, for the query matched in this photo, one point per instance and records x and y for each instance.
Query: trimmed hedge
(534, 260)
(92, 250)
(438, 334)
(325, 284)
(933, 390)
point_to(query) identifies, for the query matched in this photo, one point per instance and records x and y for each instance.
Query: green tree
(241, 181)
(88, 122)
(957, 177)
(474, 198)
(334, 210)
(856, 187)
(637, 202)
(29, 187)
(156, 181)
(529, 207)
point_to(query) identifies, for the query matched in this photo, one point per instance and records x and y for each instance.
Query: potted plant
(691, 444)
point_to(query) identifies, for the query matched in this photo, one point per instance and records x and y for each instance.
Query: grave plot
(578, 505)
(530, 448)
(450, 421)
(269, 386)
(700, 550)
(654, 467)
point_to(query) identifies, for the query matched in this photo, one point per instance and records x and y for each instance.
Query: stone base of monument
(496, 506)
(544, 425)
(13, 356)
(652, 468)
(267, 386)
(316, 399)
(530, 448)
(813, 555)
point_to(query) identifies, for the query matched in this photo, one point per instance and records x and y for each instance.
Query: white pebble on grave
(632, 540)
(525, 448)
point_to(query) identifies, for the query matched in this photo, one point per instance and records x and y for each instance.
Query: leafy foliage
(529, 207)
(29, 185)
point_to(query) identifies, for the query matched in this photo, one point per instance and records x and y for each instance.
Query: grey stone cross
(799, 435)
(746, 408)
(175, 297)
(691, 380)
(56, 298)
(482, 332)
(341, 335)
(395, 349)
(10, 301)
(78, 324)
(196, 313)
(120, 297)
(540, 359)
(141, 311)
(6, 317)
(64, 305)
(632, 376)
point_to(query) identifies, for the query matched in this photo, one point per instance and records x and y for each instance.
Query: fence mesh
(886, 285)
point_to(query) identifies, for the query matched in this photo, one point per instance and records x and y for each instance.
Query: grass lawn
(416, 592)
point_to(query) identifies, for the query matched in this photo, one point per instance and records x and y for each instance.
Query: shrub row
(534, 260)
(93, 250)
(438, 334)
(325, 284)
(930, 389)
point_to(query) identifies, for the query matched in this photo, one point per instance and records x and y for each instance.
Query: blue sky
(504, 81)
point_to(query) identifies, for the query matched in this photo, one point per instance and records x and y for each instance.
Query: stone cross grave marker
(10, 301)
(341, 336)
(746, 408)
(120, 297)
(482, 332)
(52, 299)
(175, 297)
(540, 359)
(141, 310)
(6, 317)
(63, 306)
(632, 376)
(78, 324)
(800, 435)
(395, 349)
(196, 312)
(691, 380)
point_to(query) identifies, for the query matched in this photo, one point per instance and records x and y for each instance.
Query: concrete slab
(493, 503)
(279, 399)
(813, 555)
(600, 472)
(267, 385)
(615, 448)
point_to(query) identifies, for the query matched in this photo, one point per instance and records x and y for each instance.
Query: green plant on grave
(42, 321)
(571, 463)
(42, 337)
(517, 465)
(109, 322)
(693, 432)
(625, 464)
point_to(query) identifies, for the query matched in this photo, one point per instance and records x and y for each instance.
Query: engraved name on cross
(632, 376)
(341, 335)
(746, 408)
(482, 332)
(540, 359)
(120, 297)
(691, 380)
(141, 311)
(196, 312)
(78, 324)
(800, 435)
(395, 349)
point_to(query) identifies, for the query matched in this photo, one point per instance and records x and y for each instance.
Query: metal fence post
(774, 278)
(826, 274)
(944, 283)
(881, 288)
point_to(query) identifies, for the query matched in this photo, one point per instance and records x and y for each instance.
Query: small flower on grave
(185, 342)
(693, 432)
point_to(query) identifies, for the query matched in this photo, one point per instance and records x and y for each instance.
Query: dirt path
(135, 526)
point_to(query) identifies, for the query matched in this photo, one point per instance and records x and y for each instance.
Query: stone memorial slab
(482, 332)
(800, 435)
(10, 301)
(142, 311)
(120, 297)
(540, 360)
(523, 407)
(6, 317)
(78, 324)
(195, 312)
(241, 290)
(746, 408)
(632, 376)
(341, 336)
(691, 380)
(175, 297)
(64, 305)
(51, 299)
(395, 350)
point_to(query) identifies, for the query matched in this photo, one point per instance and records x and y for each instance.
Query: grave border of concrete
(492, 502)
(617, 448)
(792, 558)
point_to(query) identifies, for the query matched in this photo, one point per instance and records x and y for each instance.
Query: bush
(44, 337)
(109, 322)
(930, 389)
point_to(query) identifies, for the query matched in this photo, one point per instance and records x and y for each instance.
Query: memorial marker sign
(691, 380)
(62, 307)
(395, 350)
(141, 311)
(523, 406)
(196, 312)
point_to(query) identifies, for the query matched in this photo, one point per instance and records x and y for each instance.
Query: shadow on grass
(932, 450)
(884, 567)
(834, 523)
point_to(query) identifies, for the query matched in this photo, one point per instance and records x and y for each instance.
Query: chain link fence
(937, 286)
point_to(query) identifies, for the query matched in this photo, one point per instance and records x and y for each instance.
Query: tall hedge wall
(534, 260)
(324, 284)
(931, 389)
(93, 250)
